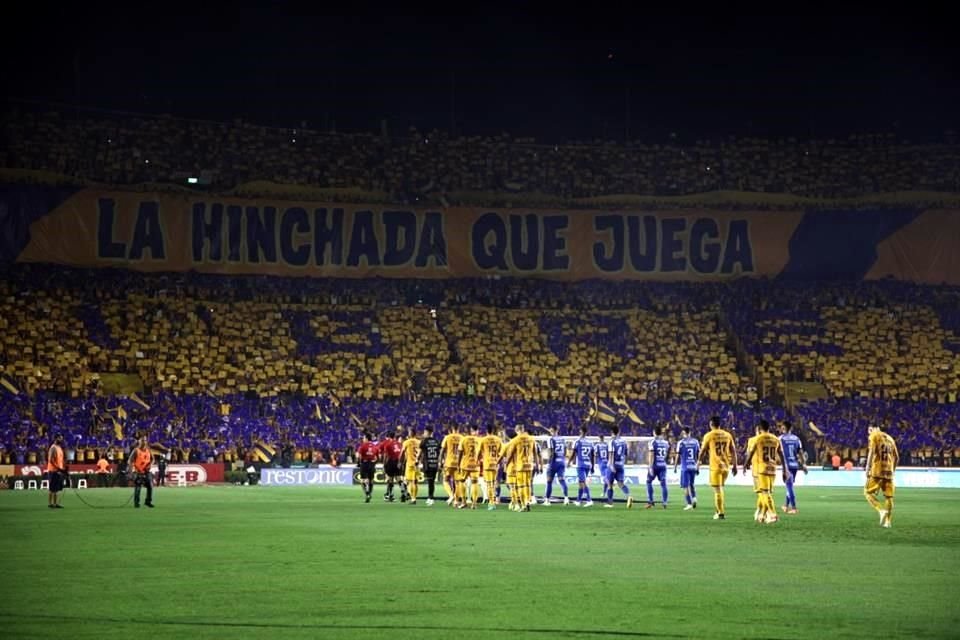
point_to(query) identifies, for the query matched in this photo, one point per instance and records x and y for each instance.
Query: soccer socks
(549, 489)
(586, 494)
(610, 494)
(688, 498)
(649, 491)
(663, 488)
(390, 488)
(413, 489)
(563, 485)
(431, 486)
(791, 496)
(475, 492)
(888, 507)
(718, 501)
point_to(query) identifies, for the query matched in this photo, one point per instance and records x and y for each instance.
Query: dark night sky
(539, 74)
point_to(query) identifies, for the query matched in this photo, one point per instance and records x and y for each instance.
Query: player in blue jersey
(657, 453)
(688, 454)
(557, 466)
(601, 459)
(796, 461)
(618, 463)
(583, 457)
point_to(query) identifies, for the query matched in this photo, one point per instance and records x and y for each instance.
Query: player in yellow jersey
(750, 444)
(470, 469)
(448, 461)
(763, 454)
(719, 447)
(491, 447)
(522, 450)
(882, 461)
(410, 454)
(510, 469)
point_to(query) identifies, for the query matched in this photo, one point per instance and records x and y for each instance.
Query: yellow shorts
(449, 472)
(880, 484)
(490, 476)
(511, 478)
(410, 475)
(718, 477)
(524, 478)
(763, 483)
(473, 474)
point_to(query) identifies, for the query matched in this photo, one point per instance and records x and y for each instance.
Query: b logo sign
(191, 473)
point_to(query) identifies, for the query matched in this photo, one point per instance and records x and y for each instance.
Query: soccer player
(56, 470)
(688, 452)
(491, 447)
(882, 461)
(721, 449)
(583, 456)
(430, 461)
(411, 455)
(601, 458)
(751, 442)
(390, 451)
(657, 453)
(522, 451)
(796, 461)
(367, 454)
(448, 461)
(557, 466)
(618, 462)
(510, 469)
(469, 470)
(763, 455)
(142, 460)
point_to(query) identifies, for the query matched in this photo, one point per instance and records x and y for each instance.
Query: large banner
(171, 232)
(189, 473)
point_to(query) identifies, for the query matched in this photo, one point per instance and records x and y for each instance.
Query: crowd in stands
(128, 149)
(225, 361)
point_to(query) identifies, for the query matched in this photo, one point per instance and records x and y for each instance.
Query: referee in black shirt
(430, 461)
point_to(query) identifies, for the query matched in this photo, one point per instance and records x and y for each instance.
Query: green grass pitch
(256, 562)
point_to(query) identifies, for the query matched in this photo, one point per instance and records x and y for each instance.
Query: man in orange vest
(103, 471)
(56, 470)
(141, 461)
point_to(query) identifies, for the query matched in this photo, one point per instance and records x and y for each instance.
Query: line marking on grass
(333, 627)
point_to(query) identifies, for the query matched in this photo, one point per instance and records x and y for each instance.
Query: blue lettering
(704, 245)
(525, 258)
(294, 220)
(324, 235)
(433, 244)
(394, 222)
(204, 231)
(234, 231)
(106, 246)
(261, 234)
(363, 241)
(489, 256)
(147, 234)
(644, 259)
(614, 260)
(671, 244)
(738, 249)
(555, 256)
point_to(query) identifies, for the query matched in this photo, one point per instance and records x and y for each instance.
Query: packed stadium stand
(119, 148)
(221, 362)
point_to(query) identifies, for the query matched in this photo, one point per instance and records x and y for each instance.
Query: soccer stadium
(265, 379)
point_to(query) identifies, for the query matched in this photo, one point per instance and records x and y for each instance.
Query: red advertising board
(191, 473)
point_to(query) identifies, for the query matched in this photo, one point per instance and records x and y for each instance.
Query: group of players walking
(462, 459)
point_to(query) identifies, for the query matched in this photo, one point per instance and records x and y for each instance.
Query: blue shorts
(583, 473)
(556, 469)
(616, 474)
(688, 478)
(657, 473)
